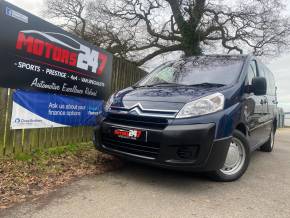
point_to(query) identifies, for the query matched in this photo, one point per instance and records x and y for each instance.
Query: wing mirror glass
(259, 86)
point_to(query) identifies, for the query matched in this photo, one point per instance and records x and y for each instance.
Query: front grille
(143, 149)
(137, 121)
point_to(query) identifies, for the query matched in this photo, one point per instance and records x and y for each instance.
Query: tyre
(269, 145)
(237, 160)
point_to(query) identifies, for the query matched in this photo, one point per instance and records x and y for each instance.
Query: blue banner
(43, 110)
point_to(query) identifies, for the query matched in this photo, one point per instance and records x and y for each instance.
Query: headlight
(202, 106)
(109, 103)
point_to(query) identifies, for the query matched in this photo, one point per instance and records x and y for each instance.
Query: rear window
(223, 70)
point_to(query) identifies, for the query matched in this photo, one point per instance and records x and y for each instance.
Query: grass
(38, 154)
(23, 157)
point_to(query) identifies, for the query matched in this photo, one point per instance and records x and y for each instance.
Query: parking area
(140, 191)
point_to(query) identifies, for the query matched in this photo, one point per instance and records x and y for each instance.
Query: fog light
(184, 153)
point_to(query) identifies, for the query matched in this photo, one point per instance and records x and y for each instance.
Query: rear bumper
(181, 147)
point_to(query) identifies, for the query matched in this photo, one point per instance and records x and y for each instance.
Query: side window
(252, 72)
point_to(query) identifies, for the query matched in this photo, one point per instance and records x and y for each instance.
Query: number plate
(132, 134)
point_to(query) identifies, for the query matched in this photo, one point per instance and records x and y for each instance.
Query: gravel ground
(140, 191)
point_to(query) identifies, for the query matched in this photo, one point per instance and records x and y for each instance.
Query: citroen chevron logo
(136, 110)
(136, 107)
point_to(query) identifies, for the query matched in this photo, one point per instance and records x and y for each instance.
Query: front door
(256, 110)
(271, 99)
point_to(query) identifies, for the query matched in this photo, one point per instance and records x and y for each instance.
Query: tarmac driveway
(139, 191)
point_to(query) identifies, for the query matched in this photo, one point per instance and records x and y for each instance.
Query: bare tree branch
(140, 30)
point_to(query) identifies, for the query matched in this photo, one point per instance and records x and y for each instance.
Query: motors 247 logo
(51, 46)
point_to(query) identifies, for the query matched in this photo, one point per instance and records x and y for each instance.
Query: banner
(37, 55)
(43, 110)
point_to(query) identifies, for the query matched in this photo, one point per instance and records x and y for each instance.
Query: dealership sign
(37, 55)
(44, 110)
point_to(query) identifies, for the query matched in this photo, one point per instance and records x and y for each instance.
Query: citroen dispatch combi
(203, 113)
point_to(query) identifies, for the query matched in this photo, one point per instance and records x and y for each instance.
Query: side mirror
(259, 86)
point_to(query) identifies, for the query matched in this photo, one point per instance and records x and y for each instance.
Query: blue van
(204, 113)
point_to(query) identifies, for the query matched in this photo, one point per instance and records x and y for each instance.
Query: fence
(15, 141)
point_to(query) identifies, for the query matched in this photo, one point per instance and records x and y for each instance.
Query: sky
(280, 66)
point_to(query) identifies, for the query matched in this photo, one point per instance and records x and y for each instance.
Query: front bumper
(182, 147)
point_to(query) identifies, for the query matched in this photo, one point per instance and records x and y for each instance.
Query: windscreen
(219, 70)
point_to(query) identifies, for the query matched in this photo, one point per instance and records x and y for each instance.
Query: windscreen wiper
(176, 84)
(157, 84)
(208, 84)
